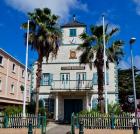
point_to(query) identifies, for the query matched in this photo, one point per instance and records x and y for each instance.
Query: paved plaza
(53, 128)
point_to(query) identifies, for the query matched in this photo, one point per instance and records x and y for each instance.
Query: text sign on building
(73, 68)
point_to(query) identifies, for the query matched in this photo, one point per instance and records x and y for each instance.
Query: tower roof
(74, 23)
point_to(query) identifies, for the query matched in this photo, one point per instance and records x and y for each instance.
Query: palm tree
(44, 38)
(92, 53)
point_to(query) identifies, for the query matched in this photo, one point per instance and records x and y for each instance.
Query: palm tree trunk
(100, 80)
(100, 89)
(38, 79)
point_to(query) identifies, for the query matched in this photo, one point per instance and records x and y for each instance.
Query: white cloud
(137, 61)
(59, 7)
(138, 6)
(125, 64)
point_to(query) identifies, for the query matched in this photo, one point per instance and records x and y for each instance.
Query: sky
(124, 14)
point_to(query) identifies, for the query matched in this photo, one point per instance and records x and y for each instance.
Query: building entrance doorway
(70, 106)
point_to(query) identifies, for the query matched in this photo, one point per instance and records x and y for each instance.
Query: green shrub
(84, 112)
(92, 112)
(42, 111)
(114, 108)
(32, 105)
(13, 110)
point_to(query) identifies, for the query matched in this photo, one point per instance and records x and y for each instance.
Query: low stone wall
(106, 131)
(18, 131)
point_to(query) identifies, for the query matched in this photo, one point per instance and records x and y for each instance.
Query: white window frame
(14, 69)
(12, 88)
(22, 73)
(29, 76)
(2, 60)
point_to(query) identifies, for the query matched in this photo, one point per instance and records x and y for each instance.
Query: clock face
(73, 41)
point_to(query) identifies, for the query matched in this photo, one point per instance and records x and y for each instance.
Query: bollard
(135, 129)
(77, 121)
(112, 121)
(72, 124)
(44, 124)
(43, 128)
(39, 121)
(30, 131)
(81, 127)
(5, 121)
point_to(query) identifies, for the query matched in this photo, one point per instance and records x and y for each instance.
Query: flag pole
(105, 59)
(26, 73)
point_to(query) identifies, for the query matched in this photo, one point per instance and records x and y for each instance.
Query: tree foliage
(112, 108)
(125, 84)
(44, 38)
(9, 110)
(92, 53)
(32, 104)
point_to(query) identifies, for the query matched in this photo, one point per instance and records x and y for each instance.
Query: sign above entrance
(73, 68)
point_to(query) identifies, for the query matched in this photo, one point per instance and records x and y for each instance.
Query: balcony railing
(71, 85)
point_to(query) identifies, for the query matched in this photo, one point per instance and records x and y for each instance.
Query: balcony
(72, 85)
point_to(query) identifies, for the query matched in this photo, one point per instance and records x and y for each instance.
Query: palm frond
(47, 11)
(45, 34)
(98, 31)
(115, 51)
(113, 31)
(106, 28)
(83, 36)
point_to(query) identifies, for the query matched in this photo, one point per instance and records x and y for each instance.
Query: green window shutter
(95, 79)
(62, 77)
(46, 79)
(50, 79)
(84, 76)
(72, 32)
(94, 103)
(41, 82)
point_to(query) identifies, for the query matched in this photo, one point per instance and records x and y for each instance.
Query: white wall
(67, 40)
(55, 69)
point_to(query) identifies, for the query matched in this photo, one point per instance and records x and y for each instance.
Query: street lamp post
(132, 40)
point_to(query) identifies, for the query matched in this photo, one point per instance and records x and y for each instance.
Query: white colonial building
(66, 85)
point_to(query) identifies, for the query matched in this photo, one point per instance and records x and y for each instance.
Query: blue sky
(124, 14)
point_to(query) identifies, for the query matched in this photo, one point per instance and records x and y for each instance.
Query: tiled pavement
(53, 128)
(18, 131)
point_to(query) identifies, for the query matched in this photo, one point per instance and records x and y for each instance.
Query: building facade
(12, 79)
(66, 85)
